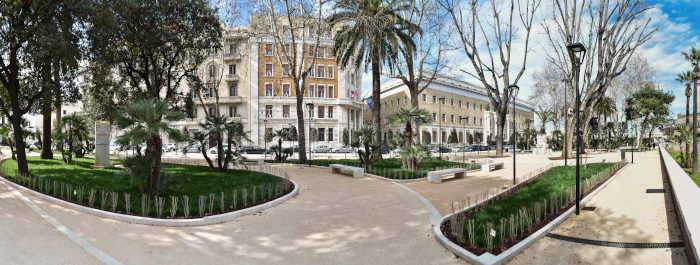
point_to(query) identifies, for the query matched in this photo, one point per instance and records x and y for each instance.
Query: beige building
(252, 84)
(453, 105)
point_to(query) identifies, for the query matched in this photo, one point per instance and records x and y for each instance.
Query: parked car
(250, 149)
(215, 149)
(441, 149)
(343, 150)
(193, 148)
(322, 149)
(169, 147)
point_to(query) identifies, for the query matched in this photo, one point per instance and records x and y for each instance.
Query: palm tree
(606, 107)
(144, 121)
(693, 56)
(6, 135)
(409, 117)
(72, 131)
(283, 134)
(371, 32)
(687, 79)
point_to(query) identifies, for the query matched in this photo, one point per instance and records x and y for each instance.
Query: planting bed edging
(132, 219)
(685, 197)
(490, 259)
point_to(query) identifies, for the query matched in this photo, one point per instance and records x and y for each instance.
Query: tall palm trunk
(687, 123)
(376, 97)
(155, 149)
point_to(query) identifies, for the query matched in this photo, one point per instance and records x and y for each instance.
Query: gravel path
(334, 220)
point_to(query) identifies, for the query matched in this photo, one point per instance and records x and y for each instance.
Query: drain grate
(615, 244)
(588, 208)
(656, 190)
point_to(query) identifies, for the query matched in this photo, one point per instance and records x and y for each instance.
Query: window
(330, 72)
(330, 134)
(452, 118)
(268, 89)
(311, 71)
(434, 116)
(321, 112)
(232, 111)
(425, 98)
(321, 52)
(320, 91)
(231, 69)
(285, 111)
(211, 111)
(285, 69)
(212, 70)
(233, 89)
(461, 121)
(474, 120)
(268, 69)
(434, 99)
(232, 49)
(320, 71)
(312, 91)
(330, 113)
(460, 103)
(481, 107)
(268, 49)
(311, 50)
(444, 117)
(321, 134)
(452, 102)
(285, 90)
(331, 92)
(268, 111)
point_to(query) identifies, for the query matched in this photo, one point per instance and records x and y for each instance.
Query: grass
(178, 180)
(515, 215)
(678, 156)
(391, 167)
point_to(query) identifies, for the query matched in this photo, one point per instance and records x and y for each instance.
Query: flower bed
(391, 167)
(193, 191)
(503, 221)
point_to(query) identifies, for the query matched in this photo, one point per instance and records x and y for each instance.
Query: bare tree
(612, 31)
(297, 27)
(486, 31)
(637, 74)
(548, 96)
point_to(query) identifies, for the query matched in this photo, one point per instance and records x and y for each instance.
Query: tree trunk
(500, 129)
(301, 128)
(21, 154)
(155, 145)
(46, 152)
(377, 107)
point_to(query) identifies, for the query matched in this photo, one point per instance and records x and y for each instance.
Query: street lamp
(514, 94)
(310, 108)
(442, 101)
(464, 137)
(577, 52)
(566, 123)
(696, 76)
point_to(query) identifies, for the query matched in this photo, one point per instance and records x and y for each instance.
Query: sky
(678, 25)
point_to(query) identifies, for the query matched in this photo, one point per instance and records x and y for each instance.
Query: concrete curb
(132, 219)
(685, 197)
(490, 259)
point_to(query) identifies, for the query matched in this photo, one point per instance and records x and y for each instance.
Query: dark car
(441, 149)
(249, 149)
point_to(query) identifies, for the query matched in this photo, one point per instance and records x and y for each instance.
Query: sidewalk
(624, 212)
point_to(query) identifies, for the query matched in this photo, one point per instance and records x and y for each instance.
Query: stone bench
(437, 175)
(355, 172)
(491, 166)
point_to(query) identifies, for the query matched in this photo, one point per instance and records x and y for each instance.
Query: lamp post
(310, 108)
(265, 136)
(576, 53)
(442, 101)
(696, 76)
(464, 138)
(566, 123)
(514, 94)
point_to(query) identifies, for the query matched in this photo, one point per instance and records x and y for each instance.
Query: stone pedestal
(541, 147)
(102, 131)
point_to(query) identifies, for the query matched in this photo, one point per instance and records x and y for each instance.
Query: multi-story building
(454, 106)
(253, 83)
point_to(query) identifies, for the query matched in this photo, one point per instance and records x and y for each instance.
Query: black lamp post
(566, 123)
(464, 138)
(688, 92)
(442, 101)
(310, 108)
(265, 136)
(514, 94)
(576, 53)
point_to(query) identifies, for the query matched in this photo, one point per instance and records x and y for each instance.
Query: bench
(437, 175)
(355, 172)
(491, 166)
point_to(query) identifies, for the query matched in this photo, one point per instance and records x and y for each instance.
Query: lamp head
(513, 91)
(576, 52)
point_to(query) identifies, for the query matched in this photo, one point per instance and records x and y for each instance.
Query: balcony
(231, 78)
(231, 56)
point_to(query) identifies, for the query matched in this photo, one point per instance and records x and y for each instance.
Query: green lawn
(178, 180)
(555, 186)
(677, 156)
(391, 167)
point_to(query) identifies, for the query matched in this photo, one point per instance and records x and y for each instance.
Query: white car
(169, 147)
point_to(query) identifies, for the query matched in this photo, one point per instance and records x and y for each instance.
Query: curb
(132, 219)
(490, 259)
